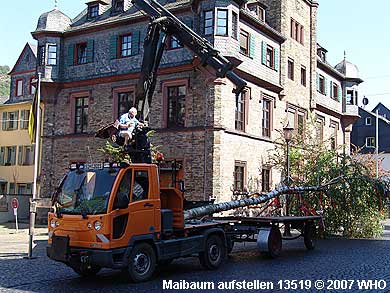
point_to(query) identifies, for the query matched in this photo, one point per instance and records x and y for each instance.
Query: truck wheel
(214, 253)
(309, 232)
(230, 244)
(142, 263)
(85, 271)
(274, 242)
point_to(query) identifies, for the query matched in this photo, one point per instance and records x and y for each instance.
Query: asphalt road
(333, 259)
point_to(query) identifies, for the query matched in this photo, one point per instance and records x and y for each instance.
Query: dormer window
(257, 10)
(118, 5)
(93, 11)
(322, 55)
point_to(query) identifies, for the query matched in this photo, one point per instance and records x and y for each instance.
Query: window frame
(321, 84)
(265, 170)
(77, 57)
(72, 99)
(121, 43)
(116, 102)
(173, 83)
(205, 28)
(259, 11)
(24, 118)
(270, 51)
(170, 41)
(32, 86)
(368, 138)
(366, 121)
(297, 31)
(335, 90)
(242, 99)
(19, 87)
(51, 59)
(115, 7)
(22, 154)
(264, 130)
(243, 33)
(226, 26)
(41, 55)
(320, 121)
(333, 136)
(290, 68)
(91, 9)
(303, 75)
(235, 26)
(242, 165)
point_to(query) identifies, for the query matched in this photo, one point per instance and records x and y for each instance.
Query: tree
(4, 81)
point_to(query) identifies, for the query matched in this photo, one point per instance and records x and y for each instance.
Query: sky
(358, 27)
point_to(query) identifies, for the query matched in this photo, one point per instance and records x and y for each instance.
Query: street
(333, 259)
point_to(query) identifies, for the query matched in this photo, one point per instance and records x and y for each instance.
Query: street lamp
(288, 132)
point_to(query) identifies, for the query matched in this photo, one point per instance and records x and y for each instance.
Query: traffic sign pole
(15, 205)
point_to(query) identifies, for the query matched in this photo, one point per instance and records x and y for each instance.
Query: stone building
(90, 67)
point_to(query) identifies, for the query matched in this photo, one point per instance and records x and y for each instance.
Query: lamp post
(288, 132)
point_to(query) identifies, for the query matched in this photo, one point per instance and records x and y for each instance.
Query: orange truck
(119, 217)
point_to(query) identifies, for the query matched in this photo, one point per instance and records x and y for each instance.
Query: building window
(370, 142)
(270, 57)
(32, 86)
(257, 10)
(208, 22)
(333, 137)
(266, 121)
(303, 75)
(297, 31)
(368, 121)
(125, 102)
(301, 123)
(222, 22)
(320, 129)
(10, 120)
(81, 114)
(321, 84)
(19, 87)
(41, 55)
(173, 43)
(93, 11)
(239, 175)
(244, 42)
(81, 53)
(24, 117)
(240, 112)
(265, 179)
(125, 46)
(335, 90)
(26, 155)
(234, 25)
(118, 6)
(176, 99)
(24, 188)
(8, 156)
(52, 55)
(290, 69)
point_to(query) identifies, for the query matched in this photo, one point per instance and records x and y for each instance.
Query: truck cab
(101, 213)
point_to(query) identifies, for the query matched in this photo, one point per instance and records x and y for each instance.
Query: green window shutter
(252, 46)
(20, 155)
(326, 86)
(13, 155)
(263, 52)
(70, 57)
(135, 39)
(4, 121)
(90, 51)
(276, 59)
(113, 47)
(340, 93)
(318, 82)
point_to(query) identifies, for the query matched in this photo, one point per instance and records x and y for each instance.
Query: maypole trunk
(261, 198)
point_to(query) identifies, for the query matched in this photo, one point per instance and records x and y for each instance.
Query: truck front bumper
(60, 251)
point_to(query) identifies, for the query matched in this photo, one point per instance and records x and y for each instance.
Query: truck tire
(214, 253)
(274, 243)
(142, 263)
(309, 234)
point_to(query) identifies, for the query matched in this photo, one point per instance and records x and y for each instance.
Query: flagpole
(36, 158)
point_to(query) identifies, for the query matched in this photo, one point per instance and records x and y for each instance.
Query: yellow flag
(32, 119)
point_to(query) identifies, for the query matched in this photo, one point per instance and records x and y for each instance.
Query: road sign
(15, 203)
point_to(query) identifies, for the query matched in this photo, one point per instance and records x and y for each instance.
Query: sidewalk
(15, 244)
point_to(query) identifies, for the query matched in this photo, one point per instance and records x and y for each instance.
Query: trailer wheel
(142, 263)
(274, 242)
(214, 253)
(309, 232)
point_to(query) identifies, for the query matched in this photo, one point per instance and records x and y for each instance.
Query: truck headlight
(53, 223)
(97, 225)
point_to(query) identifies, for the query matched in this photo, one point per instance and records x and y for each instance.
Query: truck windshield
(86, 192)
